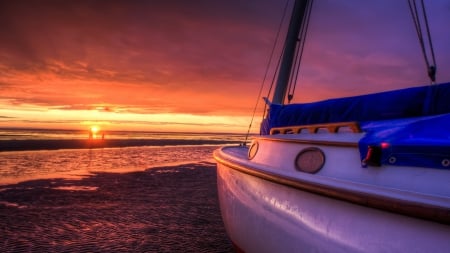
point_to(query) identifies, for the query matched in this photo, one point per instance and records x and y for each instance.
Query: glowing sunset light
(194, 65)
(95, 129)
(94, 132)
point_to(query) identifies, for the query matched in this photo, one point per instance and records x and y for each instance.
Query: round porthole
(310, 160)
(253, 150)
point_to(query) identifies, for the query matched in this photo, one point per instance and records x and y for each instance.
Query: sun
(93, 132)
(95, 129)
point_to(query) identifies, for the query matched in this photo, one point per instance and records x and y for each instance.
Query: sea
(27, 154)
(127, 191)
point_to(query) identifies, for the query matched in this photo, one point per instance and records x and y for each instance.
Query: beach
(136, 192)
(159, 209)
(27, 145)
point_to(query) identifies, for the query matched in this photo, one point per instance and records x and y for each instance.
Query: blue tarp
(414, 122)
(421, 141)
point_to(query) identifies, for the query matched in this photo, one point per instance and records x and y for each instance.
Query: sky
(176, 65)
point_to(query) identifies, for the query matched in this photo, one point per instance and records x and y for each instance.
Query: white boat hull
(261, 215)
(368, 173)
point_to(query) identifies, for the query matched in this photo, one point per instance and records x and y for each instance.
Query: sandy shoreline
(26, 145)
(166, 209)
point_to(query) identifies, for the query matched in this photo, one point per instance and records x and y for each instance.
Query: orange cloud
(204, 58)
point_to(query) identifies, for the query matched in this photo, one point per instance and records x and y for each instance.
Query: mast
(290, 45)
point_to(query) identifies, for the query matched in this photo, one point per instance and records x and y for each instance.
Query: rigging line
(304, 32)
(266, 72)
(430, 43)
(415, 16)
(294, 75)
(277, 67)
(416, 19)
(289, 88)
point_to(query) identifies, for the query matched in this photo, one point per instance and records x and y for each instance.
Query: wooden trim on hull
(404, 207)
(313, 142)
(314, 128)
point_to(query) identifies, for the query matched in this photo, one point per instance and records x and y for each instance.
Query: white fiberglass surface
(263, 216)
(343, 169)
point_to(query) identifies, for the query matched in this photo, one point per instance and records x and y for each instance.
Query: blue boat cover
(421, 141)
(412, 125)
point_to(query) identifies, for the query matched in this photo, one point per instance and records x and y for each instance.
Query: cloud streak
(205, 57)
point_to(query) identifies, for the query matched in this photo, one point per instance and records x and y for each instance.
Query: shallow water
(128, 199)
(76, 163)
(55, 134)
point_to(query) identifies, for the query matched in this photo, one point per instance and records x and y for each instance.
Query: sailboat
(368, 173)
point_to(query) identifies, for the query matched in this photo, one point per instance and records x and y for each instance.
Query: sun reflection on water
(76, 164)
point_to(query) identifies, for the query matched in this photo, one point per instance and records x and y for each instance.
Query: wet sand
(26, 145)
(166, 209)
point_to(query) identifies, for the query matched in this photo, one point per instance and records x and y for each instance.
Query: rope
(291, 86)
(299, 55)
(431, 68)
(277, 68)
(266, 72)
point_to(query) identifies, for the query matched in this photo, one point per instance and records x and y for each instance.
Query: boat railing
(314, 128)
